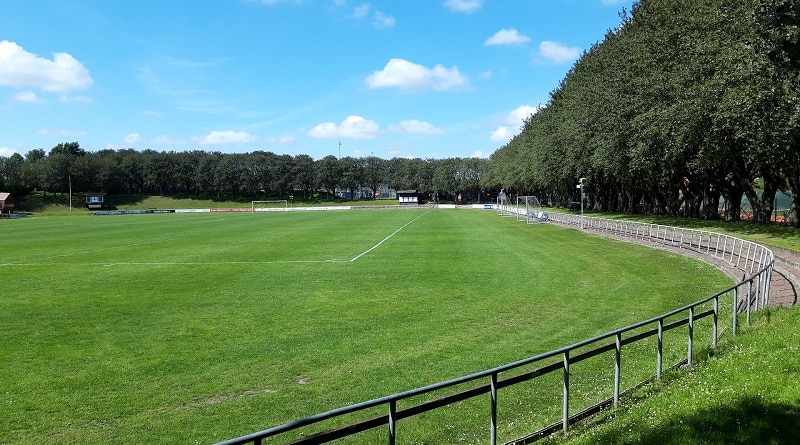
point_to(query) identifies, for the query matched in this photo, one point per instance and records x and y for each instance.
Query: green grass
(748, 391)
(770, 234)
(201, 327)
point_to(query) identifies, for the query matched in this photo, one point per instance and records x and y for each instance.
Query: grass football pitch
(195, 328)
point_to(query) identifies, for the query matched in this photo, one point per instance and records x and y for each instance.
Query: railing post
(493, 414)
(617, 368)
(660, 348)
(392, 422)
(749, 296)
(769, 285)
(716, 322)
(565, 401)
(735, 320)
(691, 336)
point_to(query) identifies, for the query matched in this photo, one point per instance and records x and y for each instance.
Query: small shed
(6, 203)
(95, 201)
(410, 198)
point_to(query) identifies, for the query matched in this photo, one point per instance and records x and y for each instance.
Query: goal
(504, 206)
(277, 205)
(530, 210)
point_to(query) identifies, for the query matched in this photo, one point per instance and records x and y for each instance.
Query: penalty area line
(387, 238)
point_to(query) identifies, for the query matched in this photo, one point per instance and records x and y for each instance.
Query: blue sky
(411, 78)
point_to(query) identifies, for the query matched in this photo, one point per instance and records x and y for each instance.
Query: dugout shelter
(6, 204)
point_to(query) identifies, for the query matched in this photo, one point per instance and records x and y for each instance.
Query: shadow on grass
(748, 421)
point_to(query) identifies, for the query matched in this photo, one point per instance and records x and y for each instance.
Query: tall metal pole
(582, 198)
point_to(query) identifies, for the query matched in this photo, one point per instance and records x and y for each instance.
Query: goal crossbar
(272, 205)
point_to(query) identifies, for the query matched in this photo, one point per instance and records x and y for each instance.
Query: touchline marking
(385, 239)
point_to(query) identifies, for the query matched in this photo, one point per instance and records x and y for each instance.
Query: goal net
(530, 210)
(278, 205)
(504, 205)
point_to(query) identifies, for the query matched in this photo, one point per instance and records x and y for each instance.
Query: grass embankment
(747, 392)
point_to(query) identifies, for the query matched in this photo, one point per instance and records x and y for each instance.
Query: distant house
(6, 203)
(94, 201)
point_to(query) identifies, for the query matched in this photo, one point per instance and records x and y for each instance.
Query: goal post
(530, 210)
(275, 205)
(504, 206)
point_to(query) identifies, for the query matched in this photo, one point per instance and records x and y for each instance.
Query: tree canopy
(683, 105)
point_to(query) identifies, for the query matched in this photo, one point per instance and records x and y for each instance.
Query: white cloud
(6, 151)
(133, 138)
(518, 115)
(463, 5)
(354, 127)
(75, 99)
(507, 37)
(227, 137)
(166, 140)
(502, 134)
(381, 20)
(479, 154)
(287, 139)
(21, 69)
(27, 97)
(415, 126)
(361, 11)
(406, 75)
(558, 52)
(60, 133)
(486, 75)
(514, 121)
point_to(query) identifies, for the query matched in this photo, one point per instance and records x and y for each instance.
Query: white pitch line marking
(385, 239)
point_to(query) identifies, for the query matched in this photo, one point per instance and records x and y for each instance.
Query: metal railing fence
(752, 292)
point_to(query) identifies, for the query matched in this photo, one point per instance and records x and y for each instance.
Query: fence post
(691, 335)
(735, 308)
(617, 369)
(716, 322)
(565, 409)
(493, 434)
(392, 421)
(749, 296)
(660, 353)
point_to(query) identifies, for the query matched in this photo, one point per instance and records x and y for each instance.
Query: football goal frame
(273, 205)
(504, 206)
(530, 210)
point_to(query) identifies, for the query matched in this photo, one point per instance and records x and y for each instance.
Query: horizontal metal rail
(752, 258)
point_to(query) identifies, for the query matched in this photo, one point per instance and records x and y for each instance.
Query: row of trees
(684, 104)
(233, 175)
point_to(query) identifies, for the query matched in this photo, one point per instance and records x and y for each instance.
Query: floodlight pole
(580, 186)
